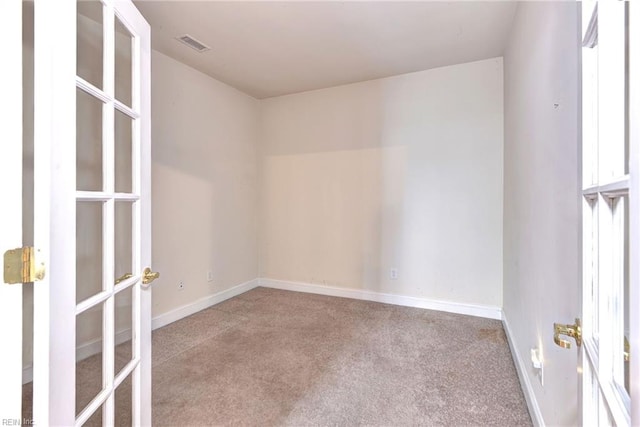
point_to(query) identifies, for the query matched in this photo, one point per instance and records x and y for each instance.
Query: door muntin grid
(120, 128)
(605, 149)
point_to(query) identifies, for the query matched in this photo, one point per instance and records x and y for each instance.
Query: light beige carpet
(271, 357)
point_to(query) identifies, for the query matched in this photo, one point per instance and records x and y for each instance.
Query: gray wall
(541, 196)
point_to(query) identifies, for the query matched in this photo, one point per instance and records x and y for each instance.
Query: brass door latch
(627, 350)
(123, 278)
(149, 276)
(21, 265)
(574, 331)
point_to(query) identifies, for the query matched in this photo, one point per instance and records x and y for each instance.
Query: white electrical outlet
(393, 274)
(180, 285)
(209, 276)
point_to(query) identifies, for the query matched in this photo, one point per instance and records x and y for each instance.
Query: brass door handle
(627, 350)
(149, 276)
(574, 331)
(123, 278)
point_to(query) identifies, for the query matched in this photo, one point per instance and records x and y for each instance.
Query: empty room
(320, 213)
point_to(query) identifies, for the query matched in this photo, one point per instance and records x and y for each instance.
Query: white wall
(541, 196)
(401, 172)
(205, 184)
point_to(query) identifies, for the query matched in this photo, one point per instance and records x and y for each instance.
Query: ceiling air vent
(193, 43)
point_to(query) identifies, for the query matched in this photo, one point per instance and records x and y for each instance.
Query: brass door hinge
(21, 265)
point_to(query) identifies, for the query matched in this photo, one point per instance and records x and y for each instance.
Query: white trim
(525, 383)
(490, 312)
(27, 374)
(201, 304)
(164, 319)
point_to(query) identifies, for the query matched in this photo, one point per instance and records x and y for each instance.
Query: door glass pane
(90, 42)
(123, 242)
(620, 290)
(88, 249)
(612, 90)
(88, 142)
(589, 390)
(123, 416)
(95, 420)
(88, 356)
(590, 266)
(123, 154)
(123, 316)
(590, 116)
(123, 299)
(123, 63)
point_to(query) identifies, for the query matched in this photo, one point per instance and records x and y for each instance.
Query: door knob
(574, 331)
(149, 276)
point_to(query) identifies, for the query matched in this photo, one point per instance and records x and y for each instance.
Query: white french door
(92, 212)
(611, 229)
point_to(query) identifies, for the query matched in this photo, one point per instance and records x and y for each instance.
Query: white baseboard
(525, 382)
(199, 305)
(95, 347)
(27, 374)
(486, 311)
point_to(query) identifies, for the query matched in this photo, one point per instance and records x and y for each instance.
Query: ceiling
(267, 48)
